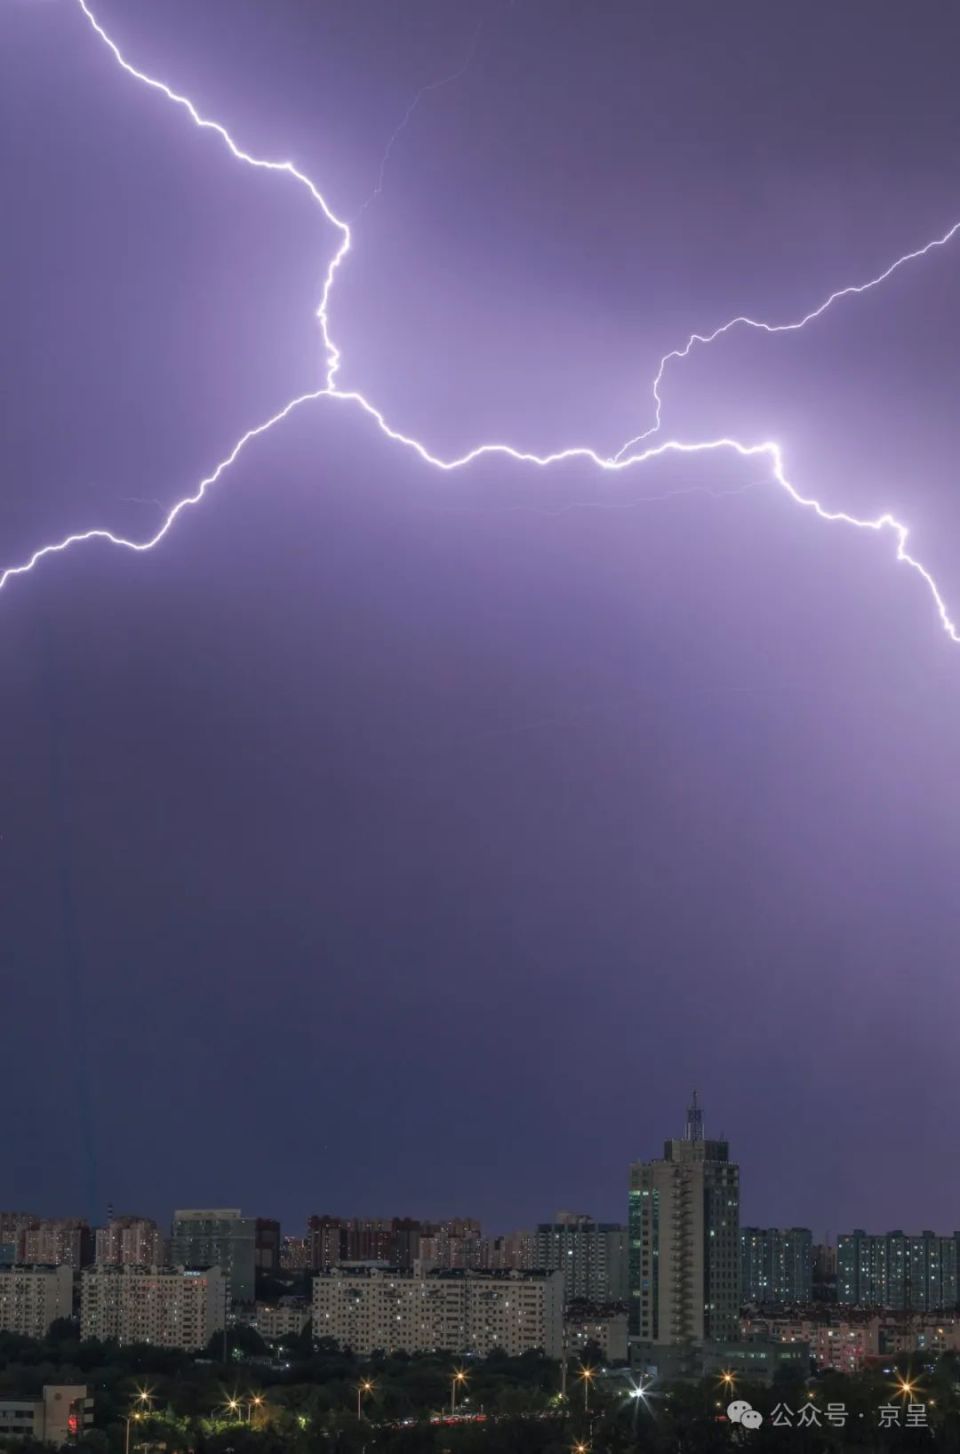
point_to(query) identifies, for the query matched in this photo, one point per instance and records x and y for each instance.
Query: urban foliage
(154, 1401)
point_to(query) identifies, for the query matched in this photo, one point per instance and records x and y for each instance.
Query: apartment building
(130, 1242)
(776, 1265)
(284, 1319)
(685, 1240)
(588, 1326)
(218, 1237)
(31, 1298)
(369, 1307)
(61, 1415)
(168, 1307)
(897, 1270)
(55, 1242)
(591, 1255)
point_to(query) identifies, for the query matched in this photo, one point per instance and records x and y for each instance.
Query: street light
(728, 1380)
(586, 1375)
(458, 1376)
(364, 1387)
(638, 1395)
(255, 1402)
(143, 1398)
(133, 1418)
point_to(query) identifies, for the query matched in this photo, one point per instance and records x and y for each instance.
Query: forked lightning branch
(635, 453)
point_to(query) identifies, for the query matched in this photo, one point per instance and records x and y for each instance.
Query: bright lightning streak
(624, 459)
(188, 500)
(205, 124)
(855, 289)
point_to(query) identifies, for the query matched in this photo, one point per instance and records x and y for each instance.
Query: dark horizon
(298, 1225)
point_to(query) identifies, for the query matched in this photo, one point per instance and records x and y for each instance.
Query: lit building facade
(222, 1238)
(503, 1253)
(168, 1307)
(894, 1270)
(591, 1255)
(776, 1264)
(849, 1342)
(589, 1326)
(130, 1242)
(296, 1254)
(285, 1319)
(684, 1227)
(12, 1227)
(367, 1308)
(455, 1243)
(56, 1242)
(61, 1415)
(31, 1298)
(394, 1240)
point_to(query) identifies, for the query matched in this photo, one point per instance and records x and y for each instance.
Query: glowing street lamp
(139, 1412)
(586, 1375)
(133, 1418)
(255, 1402)
(457, 1377)
(638, 1394)
(364, 1387)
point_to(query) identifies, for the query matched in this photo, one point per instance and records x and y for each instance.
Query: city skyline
(334, 1207)
(682, 1290)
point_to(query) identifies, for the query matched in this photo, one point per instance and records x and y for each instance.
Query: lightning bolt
(626, 458)
(853, 290)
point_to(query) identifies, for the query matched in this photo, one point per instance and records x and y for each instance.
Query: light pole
(457, 1377)
(255, 1402)
(587, 1375)
(364, 1387)
(133, 1418)
(143, 1398)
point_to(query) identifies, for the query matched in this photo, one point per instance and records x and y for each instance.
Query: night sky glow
(496, 806)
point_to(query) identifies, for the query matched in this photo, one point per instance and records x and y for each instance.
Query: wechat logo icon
(740, 1412)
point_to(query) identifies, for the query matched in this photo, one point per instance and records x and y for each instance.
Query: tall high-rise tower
(685, 1240)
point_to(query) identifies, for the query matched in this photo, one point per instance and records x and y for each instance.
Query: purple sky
(393, 841)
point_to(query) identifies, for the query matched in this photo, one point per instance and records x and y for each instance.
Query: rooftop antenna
(694, 1131)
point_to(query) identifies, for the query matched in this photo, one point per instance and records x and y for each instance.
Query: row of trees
(160, 1402)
